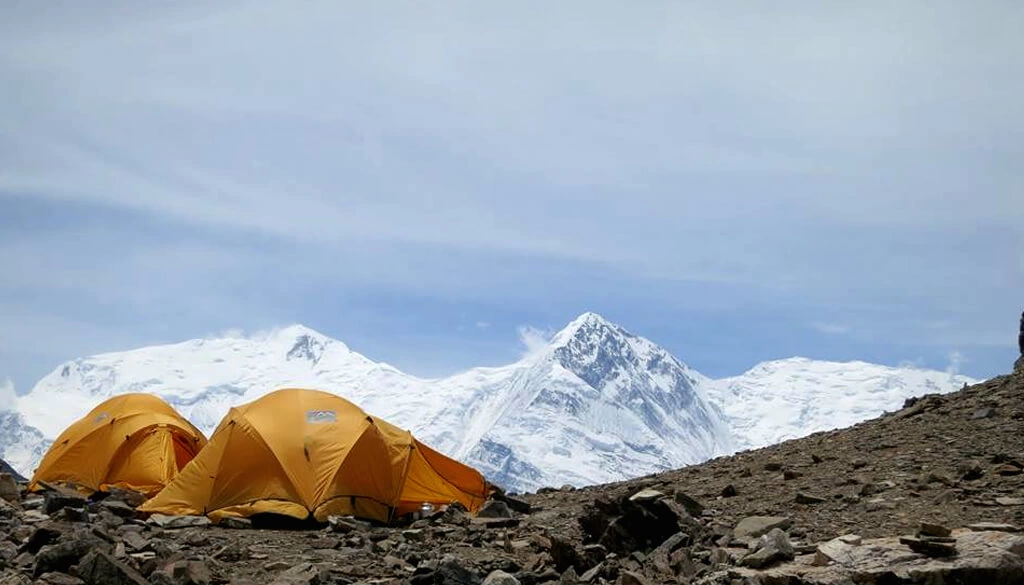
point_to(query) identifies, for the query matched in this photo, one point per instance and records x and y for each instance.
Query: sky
(438, 184)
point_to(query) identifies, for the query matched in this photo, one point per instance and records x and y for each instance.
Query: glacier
(596, 404)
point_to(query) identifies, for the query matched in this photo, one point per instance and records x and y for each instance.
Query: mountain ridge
(596, 404)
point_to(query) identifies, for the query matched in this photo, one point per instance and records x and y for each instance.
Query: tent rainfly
(302, 453)
(133, 441)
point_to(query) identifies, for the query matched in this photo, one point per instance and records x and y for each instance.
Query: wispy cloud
(533, 340)
(830, 328)
(8, 398)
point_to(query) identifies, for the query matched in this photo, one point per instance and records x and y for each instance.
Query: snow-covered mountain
(786, 399)
(22, 446)
(596, 404)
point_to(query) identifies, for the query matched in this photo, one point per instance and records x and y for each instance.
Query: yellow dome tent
(303, 453)
(133, 441)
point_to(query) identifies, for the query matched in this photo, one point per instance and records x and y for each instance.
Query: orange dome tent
(303, 453)
(133, 441)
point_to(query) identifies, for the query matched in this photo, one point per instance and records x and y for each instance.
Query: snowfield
(597, 404)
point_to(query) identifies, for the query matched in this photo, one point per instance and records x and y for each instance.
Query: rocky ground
(933, 493)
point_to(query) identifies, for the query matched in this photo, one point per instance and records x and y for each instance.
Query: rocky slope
(932, 493)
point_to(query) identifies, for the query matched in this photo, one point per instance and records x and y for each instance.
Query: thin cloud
(533, 340)
(830, 328)
(8, 397)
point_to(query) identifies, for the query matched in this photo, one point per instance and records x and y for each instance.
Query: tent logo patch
(321, 416)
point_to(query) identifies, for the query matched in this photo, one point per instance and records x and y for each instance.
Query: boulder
(135, 542)
(517, 504)
(771, 548)
(757, 526)
(100, 568)
(500, 577)
(129, 497)
(691, 505)
(984, 557)
(494, 509)
(182, 573)
(452, 571)
(9, 489)
(117, 508)
(43, 534)
(56, 499)
(636, 524)
(60, 556)
(933, 529)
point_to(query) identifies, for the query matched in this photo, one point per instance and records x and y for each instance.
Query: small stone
(1004, 501)
(55, 500)
(9, 489)
(494, 509)
(346, 524)
(647, 495)
(789, 475)
(858, 463)
(834, 551)
(729, 491)
(851, 539)
(164, 521)
(451, 571)
(235, 523)
(1008, 470)
(773, 466)
(692, 506)
(60, 579)
(43, 534)
(771, 548)
(232, 552)
(981, 413)
(757, 526)
(933, 529)
(135, 541)
(802, 498)
(182, 573)
(992, 527)
(495, 522)
(929, 548)
(591, 574)
(970, 470)
(117, 507)
(516, 504)
(631, 578)
(276, 566)
(99, 568)
(500, 577)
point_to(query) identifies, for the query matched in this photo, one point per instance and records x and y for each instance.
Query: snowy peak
(605, 355)
(784, 399)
